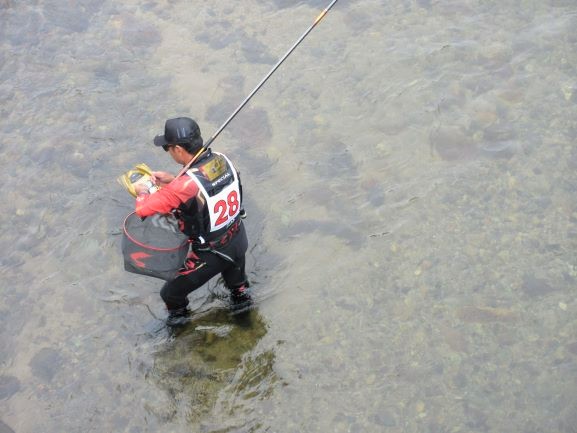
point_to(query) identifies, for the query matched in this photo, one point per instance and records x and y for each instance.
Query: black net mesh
(154, 246)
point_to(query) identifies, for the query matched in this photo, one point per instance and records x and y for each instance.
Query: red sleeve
(169, 197)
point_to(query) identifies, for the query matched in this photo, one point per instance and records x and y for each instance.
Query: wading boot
(240, 303)
(240, 298)
(178, 317)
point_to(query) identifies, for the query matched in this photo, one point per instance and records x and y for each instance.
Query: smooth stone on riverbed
(9, 385)
(534, 287)
(74, 15)
(452, 144)
(472, 314)
(46, 363)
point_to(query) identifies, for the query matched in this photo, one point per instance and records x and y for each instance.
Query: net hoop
(143, 245)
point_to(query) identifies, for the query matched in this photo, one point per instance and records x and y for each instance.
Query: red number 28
(226, 209)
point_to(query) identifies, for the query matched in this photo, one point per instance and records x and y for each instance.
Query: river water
(410, 180)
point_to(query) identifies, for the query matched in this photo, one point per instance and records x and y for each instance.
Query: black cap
(181, 130)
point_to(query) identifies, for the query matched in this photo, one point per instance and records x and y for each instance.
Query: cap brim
(159, 140)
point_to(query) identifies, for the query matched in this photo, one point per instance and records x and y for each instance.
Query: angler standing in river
(207, 201)
(206, 198)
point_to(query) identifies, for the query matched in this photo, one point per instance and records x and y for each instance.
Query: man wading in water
(207, 201)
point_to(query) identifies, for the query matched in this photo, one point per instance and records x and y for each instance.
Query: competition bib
(223, 206)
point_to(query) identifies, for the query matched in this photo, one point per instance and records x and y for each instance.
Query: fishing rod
(258, 86)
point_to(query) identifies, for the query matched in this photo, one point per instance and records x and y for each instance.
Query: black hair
(193, 145)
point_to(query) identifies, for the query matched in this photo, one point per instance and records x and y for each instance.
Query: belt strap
(220, 241)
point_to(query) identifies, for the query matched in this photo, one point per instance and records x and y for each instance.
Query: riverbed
(410, 181)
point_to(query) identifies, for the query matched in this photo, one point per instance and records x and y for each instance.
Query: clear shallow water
(410, 173)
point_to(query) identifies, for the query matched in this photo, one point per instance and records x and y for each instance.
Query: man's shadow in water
(201, 358)
(196, 361)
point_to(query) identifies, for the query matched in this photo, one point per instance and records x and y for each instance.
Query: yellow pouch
(140, 174)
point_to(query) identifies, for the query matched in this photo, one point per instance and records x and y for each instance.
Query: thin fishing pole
(259, 85)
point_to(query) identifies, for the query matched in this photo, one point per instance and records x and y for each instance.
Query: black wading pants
(201, 266)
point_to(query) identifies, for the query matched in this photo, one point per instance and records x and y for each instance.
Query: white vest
(223, 207)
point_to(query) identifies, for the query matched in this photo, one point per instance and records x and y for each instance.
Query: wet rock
(43, 155)
(107, 74)
(46, 364)
(499, 142)
(137, 33)
(476, 419)
(253, 127)
(572, 347)
(486, 315)
(221, 35)
(384, 419)
(501, 149)
(71, 15)
(21, 28)
(358, 21)
(256, 52)
(452, 144)
(512, 96)
(9, 385)
(455, 339)
(484, 112)
(460, 380)
(485, 117)
(495, 54)
(78, 164)
(4, 428)
(250, 127)
(535, 287)
(334, 164)
(329, 228)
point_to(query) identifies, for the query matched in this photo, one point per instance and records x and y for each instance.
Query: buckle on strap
(221, 240)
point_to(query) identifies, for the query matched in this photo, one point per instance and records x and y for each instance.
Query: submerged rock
(71, 15)
(21, 28)
(255, 51)
(454, 338)
(223, 33)
(220, 35)
(139, 33)
(358, 21)
(9, 385)
(452, 144)
(572, 347)
(499, 142)
(534, 287)
(384, 418)
(486, 315)
(336, 162)
(328, 228)
(46, 363)
(250, 127)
